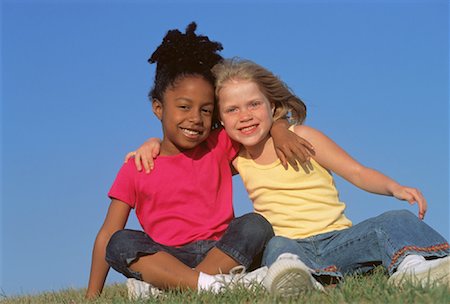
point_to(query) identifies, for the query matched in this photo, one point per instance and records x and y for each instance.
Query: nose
(245, 115)
(195, 117)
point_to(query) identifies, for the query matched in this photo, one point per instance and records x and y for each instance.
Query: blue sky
(374, 75)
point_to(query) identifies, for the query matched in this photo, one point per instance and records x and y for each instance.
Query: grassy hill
(356, 289)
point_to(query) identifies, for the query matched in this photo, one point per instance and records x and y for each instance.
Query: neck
(264, 152)
(167, 149)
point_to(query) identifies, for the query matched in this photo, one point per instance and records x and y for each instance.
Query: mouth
(248, 130)
(191, 133)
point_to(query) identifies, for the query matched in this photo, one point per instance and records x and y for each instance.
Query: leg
(385, 239)
(136, 255)
(413, 237)
(288, 275)
(244, 239)
(279, 245)
(216, 261)
(165, 271)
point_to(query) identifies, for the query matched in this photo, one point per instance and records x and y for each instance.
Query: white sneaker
(238, 277)
(424, 272)
(288, 277)
(141, 290)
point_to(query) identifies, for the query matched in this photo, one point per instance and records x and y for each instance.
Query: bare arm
(115, 220)
(334, 158)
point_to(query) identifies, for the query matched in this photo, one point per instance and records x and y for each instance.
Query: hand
(412, 195)
(145, 155)
(291, 148)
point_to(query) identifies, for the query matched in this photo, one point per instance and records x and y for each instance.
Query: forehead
(191, 85)
(238, 89)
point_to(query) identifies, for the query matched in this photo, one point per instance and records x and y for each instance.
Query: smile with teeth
(248, 129)
(190, 132)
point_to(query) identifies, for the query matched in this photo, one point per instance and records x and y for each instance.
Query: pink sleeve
(123, 188)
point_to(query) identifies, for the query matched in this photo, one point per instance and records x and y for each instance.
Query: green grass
(356, 289)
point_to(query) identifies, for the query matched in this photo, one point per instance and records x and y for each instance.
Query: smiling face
(185, 113)
(245, 112)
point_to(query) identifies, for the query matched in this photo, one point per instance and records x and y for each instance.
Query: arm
(145, 154)
(115, 220)
(290, 147)
(334, 158)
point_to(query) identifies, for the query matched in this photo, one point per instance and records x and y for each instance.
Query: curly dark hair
(181, 55)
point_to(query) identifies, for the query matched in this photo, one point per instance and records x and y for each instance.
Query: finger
(305, 167)
(301, 154)
(421, 201)
(155, 152)
(416, 196)
(129, 155)
(291, 159)
(306, 144)
(137, 162)
(151, 164)
(282, 158)
(309, 165)
(146, 165)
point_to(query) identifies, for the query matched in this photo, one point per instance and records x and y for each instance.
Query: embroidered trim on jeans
(331, 268)
(420, 249)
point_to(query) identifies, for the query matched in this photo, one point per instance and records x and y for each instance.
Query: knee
(279, 243)
(255, 226)
(119, 242)
(399, 216)
(277, 246)
(399, 213)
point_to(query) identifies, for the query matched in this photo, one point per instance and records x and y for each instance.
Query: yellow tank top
(296, 203)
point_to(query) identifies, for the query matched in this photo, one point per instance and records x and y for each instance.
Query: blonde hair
(287, 104)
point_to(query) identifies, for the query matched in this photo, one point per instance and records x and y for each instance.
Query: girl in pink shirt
(185, 204)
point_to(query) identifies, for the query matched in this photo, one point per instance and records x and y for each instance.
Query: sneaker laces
(238, 270)
(238, 276)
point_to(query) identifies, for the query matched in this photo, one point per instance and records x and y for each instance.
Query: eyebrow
(190, 100)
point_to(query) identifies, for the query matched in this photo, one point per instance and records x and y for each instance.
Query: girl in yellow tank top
(303, 205)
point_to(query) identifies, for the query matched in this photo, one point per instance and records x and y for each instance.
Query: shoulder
(315, 137)
(128, 168)
(307, 132)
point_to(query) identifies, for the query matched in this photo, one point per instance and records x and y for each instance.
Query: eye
(230, 110)
(254, 104)
(207, 111)
(183, 107)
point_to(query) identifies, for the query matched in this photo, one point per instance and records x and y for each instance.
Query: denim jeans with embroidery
(382, 240)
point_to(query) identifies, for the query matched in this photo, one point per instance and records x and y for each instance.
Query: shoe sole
(290, 282)
(437, 275)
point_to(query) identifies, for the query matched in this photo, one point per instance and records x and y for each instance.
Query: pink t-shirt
(187, 197)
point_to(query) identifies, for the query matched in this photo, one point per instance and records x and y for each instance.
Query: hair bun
(186, 49)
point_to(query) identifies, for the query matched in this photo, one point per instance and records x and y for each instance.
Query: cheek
(227, 120)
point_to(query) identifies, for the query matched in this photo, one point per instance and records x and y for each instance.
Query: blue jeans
(382, 240)
(244, 239)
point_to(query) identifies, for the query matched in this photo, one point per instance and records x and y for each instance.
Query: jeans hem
(440, 250)
(234, 254)
(331, 271)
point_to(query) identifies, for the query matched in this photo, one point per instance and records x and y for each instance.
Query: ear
(221, 122)
(157, 107)
(272, 105)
